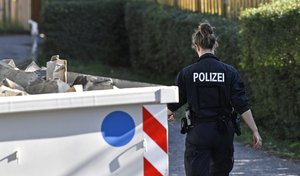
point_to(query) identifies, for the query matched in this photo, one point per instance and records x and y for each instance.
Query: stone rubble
(93, 82)
(56, 69)
(41, 80)
(20, 77)
(6, 91)
(8, 83)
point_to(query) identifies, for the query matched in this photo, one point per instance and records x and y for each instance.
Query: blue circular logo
(118, 128)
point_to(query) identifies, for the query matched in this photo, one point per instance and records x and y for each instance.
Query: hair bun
(204, 36)
(205, 29)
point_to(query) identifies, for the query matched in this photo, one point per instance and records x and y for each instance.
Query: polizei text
(209, 77)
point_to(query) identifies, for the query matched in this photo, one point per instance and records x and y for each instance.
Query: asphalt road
(16, 47)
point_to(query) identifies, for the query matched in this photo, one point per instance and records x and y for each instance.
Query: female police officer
(212, 90)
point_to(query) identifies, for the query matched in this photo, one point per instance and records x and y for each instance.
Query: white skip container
(96, 133)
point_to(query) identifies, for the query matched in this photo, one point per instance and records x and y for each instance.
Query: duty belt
(221, 121)
(196, 119)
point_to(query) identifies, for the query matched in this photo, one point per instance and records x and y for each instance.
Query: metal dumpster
(108, 132)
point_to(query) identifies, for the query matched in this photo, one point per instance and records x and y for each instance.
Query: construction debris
(40, 71)
(76, 88)
(8, 83)
(6, 91)
(93, 83)
(32, 67)
(48, 86)
(9, 63)
(40, 80)
(20, 77)
(57, 69)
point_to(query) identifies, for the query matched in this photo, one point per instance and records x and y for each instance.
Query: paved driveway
(17, 47)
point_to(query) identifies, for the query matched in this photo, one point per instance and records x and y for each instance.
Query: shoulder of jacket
(229, 68)
(185, 69)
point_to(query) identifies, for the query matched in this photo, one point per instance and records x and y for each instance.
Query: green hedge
(160, 38)
(86, 30)
(270, 44)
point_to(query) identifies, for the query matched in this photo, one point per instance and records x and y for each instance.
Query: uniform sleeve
(182, 93)
(239, 100)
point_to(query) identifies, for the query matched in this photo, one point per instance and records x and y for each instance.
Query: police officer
(212, 90)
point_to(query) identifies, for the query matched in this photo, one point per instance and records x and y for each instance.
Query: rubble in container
(41, 80)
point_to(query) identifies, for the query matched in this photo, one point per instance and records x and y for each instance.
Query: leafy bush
(89, 30)
(270, 43)
(160, 38)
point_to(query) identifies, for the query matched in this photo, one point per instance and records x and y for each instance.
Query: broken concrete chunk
(18, 76)
(6, 91)
(76, 88)
(9, 63)
(99, 85)
(81, 79)
(8, 83)
(47, 86)
(42, 72)
(57, 69)
(93, 82)
(32, 67)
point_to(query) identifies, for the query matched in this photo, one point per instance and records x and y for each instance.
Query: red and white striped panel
(155, 131)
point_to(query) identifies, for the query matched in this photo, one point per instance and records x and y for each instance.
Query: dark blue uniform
(212, 88)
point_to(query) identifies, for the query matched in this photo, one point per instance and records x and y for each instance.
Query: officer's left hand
(257, 141)
(171, 118)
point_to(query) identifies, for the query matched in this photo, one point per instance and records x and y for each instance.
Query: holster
(236, 121)
(186, 124)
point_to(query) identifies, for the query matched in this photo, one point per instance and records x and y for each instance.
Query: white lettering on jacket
(209, 77)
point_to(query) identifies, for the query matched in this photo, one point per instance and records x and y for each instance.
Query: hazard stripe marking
(155, 130)
(156, 156)
(159, 112)
(149, 170)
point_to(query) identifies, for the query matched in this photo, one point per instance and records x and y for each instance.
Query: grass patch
(287, 149)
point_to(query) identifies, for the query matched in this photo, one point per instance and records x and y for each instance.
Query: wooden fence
(16, 13)
(226, 8)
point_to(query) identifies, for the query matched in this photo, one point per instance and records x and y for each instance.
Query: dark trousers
(208, 152)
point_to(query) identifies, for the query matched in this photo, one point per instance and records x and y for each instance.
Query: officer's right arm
(238, 97)
(240, 103)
